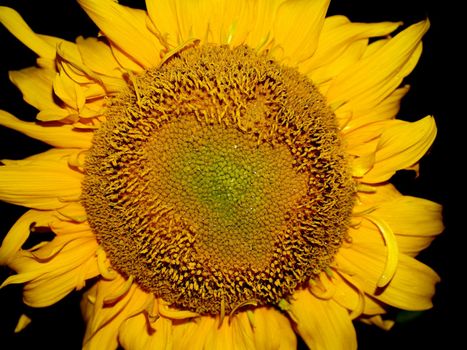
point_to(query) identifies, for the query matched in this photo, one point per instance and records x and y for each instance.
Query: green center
(234, 193)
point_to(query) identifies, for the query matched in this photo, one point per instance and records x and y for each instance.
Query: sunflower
(219, 175)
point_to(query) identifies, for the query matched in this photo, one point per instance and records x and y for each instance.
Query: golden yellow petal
(231, 24)
(48, 281)
(272, 330)
(36, 86)
(297, 28)
(206, 332)
(322, 76)
(323, 324)
(19, 233)
(399, 147)
(23, 322)
(49, 290)
(186, 335)
(229, 336)
(376, 76)
(58, 136)
(368, 133)
(68, 91)
(378, 194)
(379, 322)
(73, 212)
(385, 110)
(133, 333)
(18, 27)
(392, 249)
(194, 18)
(126, 28)
(261, 34)
(411, 216)
(411, 288)
(337, 34)
(98, 56)
(39, 184)
(104, 320)
(415, 221)
(163, 15)
(350, 296)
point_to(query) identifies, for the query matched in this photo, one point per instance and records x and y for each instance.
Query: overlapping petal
(323, 324)
(62, 136)
(297, 28)
(377, 75)
(401, 146)
(50, 276)
(411, 288)
(104, 313)
(40, 183)
(126, 28)
(20, 231)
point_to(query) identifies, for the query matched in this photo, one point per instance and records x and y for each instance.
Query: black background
(433, 82)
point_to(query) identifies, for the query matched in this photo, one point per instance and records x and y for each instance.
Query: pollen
(218, 181)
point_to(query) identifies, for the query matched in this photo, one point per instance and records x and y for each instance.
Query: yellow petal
(23, 322)
(40, 184)
(399, 147)
(415, 221)
(231, 24)
(411, 216)
(186, 335)
(297, 27)
(19, 233)
(103, 321)
(50, 280)
(163, 15)
(68, 91)
(133, 333)
(36, 86)
(18, 27)
(212, 21)
(272, 330)
(323, 75)
(338, 33)
(261, 34)
(375, 77)
(385, 110)
(230, 335)
(411, 288)
(58, 136)
(350, 296)
(126, 27)
(323, 324)
(392, 250)
(97, 55)
(73, 212)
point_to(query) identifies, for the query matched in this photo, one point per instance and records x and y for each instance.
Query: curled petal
(19, 233)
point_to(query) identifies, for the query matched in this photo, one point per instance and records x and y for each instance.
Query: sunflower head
(219, 179)
(214, 158)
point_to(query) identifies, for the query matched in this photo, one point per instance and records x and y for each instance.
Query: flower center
(218, 180)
